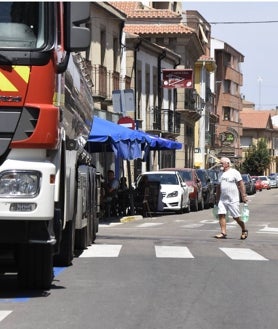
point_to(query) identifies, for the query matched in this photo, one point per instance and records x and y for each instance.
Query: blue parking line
(58, 270)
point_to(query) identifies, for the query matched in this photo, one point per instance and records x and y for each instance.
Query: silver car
(273, 182)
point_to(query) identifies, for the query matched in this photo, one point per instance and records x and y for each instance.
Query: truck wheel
(35, 266)
(81, 238)
(66, 253)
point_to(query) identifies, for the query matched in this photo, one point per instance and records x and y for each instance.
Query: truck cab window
(21, 25)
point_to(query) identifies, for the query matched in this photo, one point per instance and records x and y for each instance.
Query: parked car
(190, 177)
(258, 183)
(174, 192)
(214, 176)
(250, 187)
(273, 182)
(207, 188)
(275, 175)
(265, 182)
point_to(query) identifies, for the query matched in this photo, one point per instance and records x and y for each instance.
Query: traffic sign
(127, 122)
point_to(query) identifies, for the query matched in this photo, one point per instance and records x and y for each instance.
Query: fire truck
(47, 179)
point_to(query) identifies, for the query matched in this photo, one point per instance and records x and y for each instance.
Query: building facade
(227, 82)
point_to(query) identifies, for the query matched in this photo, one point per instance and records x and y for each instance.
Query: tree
(257, 159)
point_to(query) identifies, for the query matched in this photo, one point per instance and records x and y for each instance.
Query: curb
(127, 219)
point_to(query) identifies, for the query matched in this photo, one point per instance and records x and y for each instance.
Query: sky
(251, 32)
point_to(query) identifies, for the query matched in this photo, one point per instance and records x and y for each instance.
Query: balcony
(193, 105)
(105, 82)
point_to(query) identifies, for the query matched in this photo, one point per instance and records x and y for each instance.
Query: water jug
(245, 213)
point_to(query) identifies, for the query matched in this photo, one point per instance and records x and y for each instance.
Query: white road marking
(192, 225)
(109, 224)
(4, 314)
(149, 224)
(102, 250)
(172, 252)
(267, 229)
(242, 254)
(209, 221)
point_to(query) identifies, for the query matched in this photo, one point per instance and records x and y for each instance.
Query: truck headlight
(21, 184)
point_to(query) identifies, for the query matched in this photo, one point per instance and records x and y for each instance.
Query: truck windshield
(21, 25)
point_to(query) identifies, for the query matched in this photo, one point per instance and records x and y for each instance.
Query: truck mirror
(77, 37)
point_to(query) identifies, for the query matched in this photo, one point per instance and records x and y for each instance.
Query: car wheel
(201, 204)
(194, 205)
(188, 208)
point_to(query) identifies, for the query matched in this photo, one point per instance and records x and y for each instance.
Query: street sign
(127, 122)
(177, 78)
(123, 101)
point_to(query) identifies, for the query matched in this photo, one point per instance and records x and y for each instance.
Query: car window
(186, 175)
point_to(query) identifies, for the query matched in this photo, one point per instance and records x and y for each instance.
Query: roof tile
(157, 28)
(255, 119)
(135, 9)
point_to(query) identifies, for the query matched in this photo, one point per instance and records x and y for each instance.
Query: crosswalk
(262, 229)
(4, 314)
(113, 251)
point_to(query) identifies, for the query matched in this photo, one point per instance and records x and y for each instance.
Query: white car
(173, 193)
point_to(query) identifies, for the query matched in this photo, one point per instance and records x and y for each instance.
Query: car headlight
(21, 184)
(173, 194)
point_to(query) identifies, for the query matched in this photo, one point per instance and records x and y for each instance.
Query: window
(226, 113)
(115, 53)
(227, 86)
(102, 46)
(22, 25)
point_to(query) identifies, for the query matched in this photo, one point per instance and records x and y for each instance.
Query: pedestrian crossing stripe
(172, 252)
(242, 254)
(106, 250)
(149, 224)
(4, 314)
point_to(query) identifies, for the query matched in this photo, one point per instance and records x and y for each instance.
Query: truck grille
(16, 124)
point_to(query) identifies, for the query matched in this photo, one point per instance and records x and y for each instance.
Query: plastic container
(215, 214)
(245, 213)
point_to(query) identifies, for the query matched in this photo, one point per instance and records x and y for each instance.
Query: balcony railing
(105, 82)
(99, 75)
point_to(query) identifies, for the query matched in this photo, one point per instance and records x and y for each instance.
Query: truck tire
(35, 266)
(81, 238)
(66, 253)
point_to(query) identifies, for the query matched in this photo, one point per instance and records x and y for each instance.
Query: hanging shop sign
(177, 78)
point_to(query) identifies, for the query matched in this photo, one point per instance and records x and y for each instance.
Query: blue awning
(160, 143)
(124, 142)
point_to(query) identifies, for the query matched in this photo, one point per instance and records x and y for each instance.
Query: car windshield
(245, 178)
(164, 179)
(213, 175)
(202, 176)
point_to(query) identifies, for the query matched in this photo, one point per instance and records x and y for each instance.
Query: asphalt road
(164, 272)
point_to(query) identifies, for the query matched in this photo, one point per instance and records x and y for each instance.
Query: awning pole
(130, 188)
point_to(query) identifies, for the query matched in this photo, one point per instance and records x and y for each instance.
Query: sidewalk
(120, 219)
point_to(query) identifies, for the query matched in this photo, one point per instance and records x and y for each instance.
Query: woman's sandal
(221, 236)
(244, 235)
